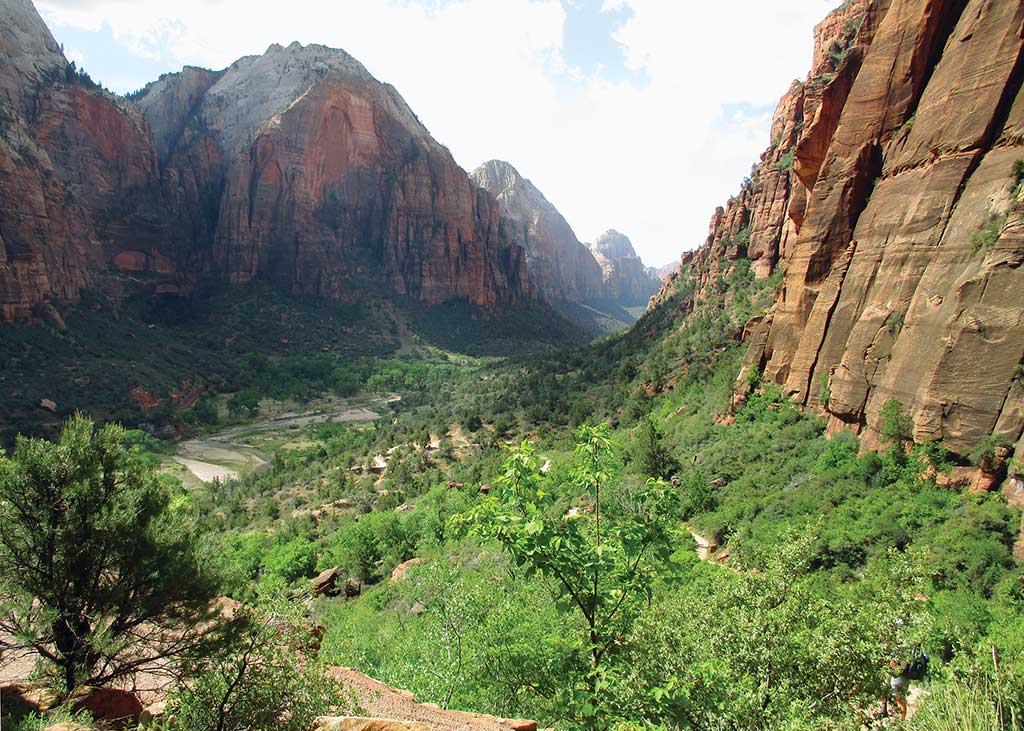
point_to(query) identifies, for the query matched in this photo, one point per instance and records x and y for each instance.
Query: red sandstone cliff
(890, 201)
(78, 174)
(296, 166)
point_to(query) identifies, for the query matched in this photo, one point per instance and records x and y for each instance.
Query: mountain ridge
(296, 166)
(565, 268)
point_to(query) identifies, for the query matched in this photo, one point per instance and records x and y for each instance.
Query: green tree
(894, 425)
(245, 403)
(650, 454)
(600, 562)
(98, 572)
(292, 560)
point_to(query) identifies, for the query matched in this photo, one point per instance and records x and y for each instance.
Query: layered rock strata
(296, 167)
(561, 266)
(890, 204)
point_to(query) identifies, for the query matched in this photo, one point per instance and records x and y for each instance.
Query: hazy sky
(639, 115)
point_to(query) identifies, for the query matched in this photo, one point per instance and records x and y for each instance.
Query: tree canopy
(99, 572)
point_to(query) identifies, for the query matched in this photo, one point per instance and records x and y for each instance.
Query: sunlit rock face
(889, 201)
(296, 166)
(559, 264)
(626, 279)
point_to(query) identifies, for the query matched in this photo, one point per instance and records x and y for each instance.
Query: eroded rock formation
(890, 203)
(296, 166)
(561, 266)
(626, 279)
(78, 173)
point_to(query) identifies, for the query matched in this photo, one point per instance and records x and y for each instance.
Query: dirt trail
(382, 701)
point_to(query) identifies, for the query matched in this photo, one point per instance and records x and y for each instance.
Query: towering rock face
(626, 279)
(296, 166)
(330, 182)
(78, 174)
(891, 201)
(561, 267)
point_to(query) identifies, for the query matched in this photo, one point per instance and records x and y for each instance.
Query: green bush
(293, 560)
(989, 234)
(259, 679)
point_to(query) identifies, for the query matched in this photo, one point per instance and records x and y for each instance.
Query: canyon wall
(561, 266)
(626, 279)
(296, 167)
(78, 174)
(889, 206)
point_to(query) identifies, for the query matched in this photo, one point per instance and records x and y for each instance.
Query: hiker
(901, 672)
(899, 685)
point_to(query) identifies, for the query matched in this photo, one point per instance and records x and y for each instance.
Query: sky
(638, 115)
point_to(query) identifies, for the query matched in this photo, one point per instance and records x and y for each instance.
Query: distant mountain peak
(613, 245)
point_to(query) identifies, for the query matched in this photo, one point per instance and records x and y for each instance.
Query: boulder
(48, 405)
(956, 477)
(353, 588)
(17, 700)
(226, 608)
(399, 572)
(110, 705)
(153, 715)
(326, 583)
(519, 724)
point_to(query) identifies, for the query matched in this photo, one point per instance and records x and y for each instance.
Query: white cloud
(652, 161)
(75, 56)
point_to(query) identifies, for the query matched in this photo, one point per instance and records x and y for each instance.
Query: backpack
(917, 668)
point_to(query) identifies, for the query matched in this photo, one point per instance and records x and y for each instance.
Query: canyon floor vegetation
(521, 533)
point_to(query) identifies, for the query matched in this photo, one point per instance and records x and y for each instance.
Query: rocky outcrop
(119, 708)
(296, 167)
(889, 201)
(31, 56)
(611, 246)
(626, 279)
(561, 267)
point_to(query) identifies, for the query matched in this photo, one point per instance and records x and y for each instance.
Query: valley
(235, 451)
(338, 436)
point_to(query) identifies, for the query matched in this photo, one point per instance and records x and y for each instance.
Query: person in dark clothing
(899, 686)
